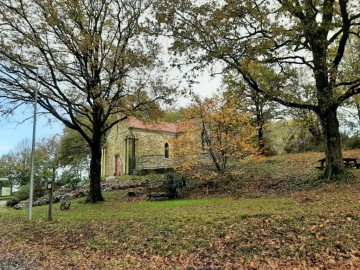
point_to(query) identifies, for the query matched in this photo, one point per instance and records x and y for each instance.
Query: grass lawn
(302, 227)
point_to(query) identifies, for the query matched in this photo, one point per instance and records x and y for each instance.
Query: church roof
(134, 122)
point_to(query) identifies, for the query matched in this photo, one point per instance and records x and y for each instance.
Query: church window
(167, 150)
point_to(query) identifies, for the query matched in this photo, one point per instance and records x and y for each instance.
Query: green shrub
(174, 180)
(69, 178)
(352, 143)
(12, 202)
(175, 183)
(22, 193)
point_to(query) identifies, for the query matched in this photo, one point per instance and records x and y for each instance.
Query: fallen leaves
(310, 229)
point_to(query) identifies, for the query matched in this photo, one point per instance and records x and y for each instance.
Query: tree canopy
(291, 51)
(96, 65)
(16, 164)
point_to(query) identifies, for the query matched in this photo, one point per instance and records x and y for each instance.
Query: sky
(13, 131)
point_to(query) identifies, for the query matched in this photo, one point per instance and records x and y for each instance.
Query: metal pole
(31, 194)
(50, 187)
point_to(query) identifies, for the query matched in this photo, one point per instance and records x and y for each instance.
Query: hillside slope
(280, 216)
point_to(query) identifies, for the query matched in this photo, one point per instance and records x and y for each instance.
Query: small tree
(74, 151)
(70, 177)
(17, 165)
(74, 156)
(261, 108)
(213, 131)
(50, 147)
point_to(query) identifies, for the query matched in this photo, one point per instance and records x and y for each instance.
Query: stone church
(137, 147)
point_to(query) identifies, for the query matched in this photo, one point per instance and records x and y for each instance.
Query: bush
(69, 178)
(22, 193)
(174, 182)
(352, 143)
(12, 202)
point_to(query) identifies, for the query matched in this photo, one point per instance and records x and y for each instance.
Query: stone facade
(134, 146)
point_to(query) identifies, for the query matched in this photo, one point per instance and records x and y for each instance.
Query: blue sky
(12, 131)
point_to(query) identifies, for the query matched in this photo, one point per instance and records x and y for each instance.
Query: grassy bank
(304, 227)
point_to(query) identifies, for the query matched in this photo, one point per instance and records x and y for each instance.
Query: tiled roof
(133, 122)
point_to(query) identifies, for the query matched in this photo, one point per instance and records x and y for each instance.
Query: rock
(16, 264)
(80, 193)
(66, 197)
(56, 198)
(21, 205)
(65, 205)
(41, 201)
(67, 193)
(12, 202)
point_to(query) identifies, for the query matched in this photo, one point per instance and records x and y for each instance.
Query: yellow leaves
(214, 130)
(163, 18)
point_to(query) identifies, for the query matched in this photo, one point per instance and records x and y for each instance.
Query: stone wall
(153, 162)
(149, 149)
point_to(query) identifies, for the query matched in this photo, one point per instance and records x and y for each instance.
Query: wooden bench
(351, 163)
(348, 163)
(161, 193)
(322, 164)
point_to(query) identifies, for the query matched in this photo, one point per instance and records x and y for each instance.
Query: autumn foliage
(283, 217)
(215, 131)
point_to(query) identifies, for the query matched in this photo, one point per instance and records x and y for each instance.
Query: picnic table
(348, 162)
(161, 192)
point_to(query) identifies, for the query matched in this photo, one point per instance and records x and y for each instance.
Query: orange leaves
(214, 130)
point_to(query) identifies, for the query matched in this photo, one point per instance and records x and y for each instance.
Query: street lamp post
(31, 193)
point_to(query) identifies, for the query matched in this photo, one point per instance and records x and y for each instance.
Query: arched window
(166, 150)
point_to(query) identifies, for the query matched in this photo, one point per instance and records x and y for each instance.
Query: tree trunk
(95, 172)
(330, 125)
(259, 113)
(358, 110)
(316, 134)
(261, 143)
(327, 109)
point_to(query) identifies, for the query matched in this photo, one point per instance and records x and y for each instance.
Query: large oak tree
(299, 46)
(96, 64)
